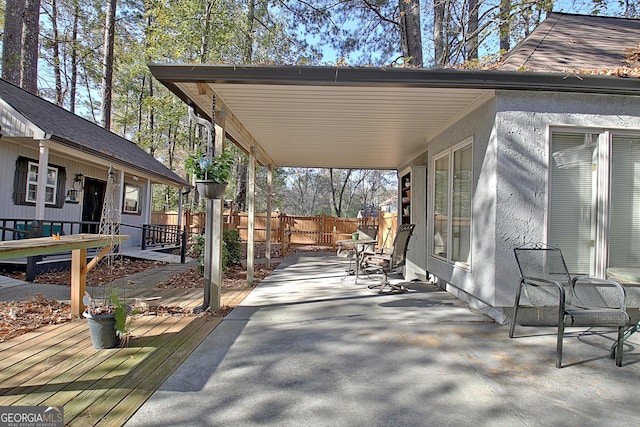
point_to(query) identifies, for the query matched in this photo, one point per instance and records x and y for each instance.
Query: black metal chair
(385, 262)
(546, 285)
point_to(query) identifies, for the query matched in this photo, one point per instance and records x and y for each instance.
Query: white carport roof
(342, 117)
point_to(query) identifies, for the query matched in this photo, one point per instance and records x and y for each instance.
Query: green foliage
(215, 169)
(120, 314)
(196, 249)
(231, 248)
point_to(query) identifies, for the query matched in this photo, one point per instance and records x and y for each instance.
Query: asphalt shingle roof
(81, 134)
(565, 42)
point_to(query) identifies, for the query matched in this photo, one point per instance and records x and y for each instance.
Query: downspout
(214, 221)
(267, 262)
(208, 214)
(251, 207)
(206, 124)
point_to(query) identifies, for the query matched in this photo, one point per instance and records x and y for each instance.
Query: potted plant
(107, 320)
(211, 174)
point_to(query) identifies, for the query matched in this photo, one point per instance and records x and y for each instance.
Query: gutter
(168, 74)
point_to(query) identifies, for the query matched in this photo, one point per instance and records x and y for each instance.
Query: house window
(131, 199)
(572, 198)
(50, 184)
(624, 210)
(594, 200)
(452, 204)
(25, 183)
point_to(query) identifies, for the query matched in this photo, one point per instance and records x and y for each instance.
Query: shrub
(231, 248)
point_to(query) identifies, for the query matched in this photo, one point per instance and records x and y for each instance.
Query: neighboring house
(502, 158)
(77, 155)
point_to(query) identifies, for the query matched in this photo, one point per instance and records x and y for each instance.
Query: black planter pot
(103, 330)
(211, 189)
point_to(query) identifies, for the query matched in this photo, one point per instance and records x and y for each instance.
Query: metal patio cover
(349, 117)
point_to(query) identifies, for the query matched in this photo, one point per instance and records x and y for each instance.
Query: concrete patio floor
(308, 347)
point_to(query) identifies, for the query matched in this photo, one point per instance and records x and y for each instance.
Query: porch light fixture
(77, 182)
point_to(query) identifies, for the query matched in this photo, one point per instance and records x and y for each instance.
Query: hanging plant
(216, 169)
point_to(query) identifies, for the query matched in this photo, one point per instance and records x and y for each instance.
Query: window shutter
(20, 182)
(60, 187)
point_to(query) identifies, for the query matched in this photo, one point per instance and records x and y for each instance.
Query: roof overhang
(340, 117)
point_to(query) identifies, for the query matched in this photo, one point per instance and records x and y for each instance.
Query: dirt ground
(20, 317)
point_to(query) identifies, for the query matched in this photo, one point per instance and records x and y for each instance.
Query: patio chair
(385, 262)
(364, 232)
(546, 285)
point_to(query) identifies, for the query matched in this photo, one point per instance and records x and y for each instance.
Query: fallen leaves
(20, 317)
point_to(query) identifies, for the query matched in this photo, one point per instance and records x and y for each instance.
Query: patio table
(358, 246)
(627, 273)
(631, 274)
(77, 244)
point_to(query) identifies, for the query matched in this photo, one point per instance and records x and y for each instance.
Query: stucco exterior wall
(522, 122)
(477, 281)
(510, 161)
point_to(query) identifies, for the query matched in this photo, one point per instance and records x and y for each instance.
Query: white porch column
(121, 190)
(148, 202)
(43, 163)
(216, 207)
(251, 207)
(267, 254)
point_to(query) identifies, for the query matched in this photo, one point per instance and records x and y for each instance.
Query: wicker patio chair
(545, 282)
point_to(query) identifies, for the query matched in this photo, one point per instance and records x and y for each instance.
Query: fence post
(334, 238)
(281, 233)
(144, 237)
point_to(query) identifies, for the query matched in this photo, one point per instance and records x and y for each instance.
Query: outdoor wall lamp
(77, 182)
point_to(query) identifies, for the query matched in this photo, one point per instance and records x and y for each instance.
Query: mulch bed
(20, 317)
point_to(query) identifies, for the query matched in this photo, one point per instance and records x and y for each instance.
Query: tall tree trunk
(204, 39)
(240, 199)
(411, 31)
(140, 106)
(74, 57)
(12, 40)
(30, 33)
(152, 121)
(338, 196)
(472, 31)
(505, 26)
(56, 53)
(438, 32)
(107, 63)
(248, 47)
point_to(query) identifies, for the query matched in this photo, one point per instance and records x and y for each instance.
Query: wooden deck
(57, 365)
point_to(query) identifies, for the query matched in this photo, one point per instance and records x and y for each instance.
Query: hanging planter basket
(211, 189)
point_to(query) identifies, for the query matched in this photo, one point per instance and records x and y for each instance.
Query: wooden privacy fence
(319, 230)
